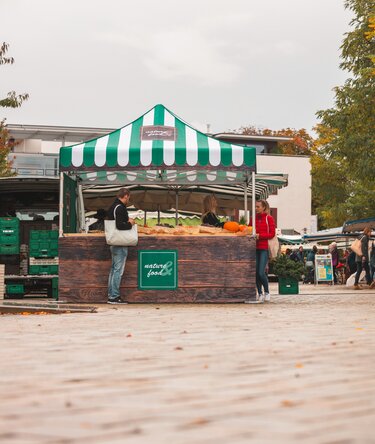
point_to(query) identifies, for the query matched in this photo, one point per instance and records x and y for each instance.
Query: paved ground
(298, 370)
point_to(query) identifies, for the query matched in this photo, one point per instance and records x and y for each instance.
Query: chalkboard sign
(157, 269)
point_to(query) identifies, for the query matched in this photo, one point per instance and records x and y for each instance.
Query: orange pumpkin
(232, 226)
(243, 227)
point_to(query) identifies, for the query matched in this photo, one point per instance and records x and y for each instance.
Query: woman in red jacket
(265, 229)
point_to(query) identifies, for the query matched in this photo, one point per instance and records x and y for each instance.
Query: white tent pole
(81, 206)
(176, 207)
(253, 202)
(245, 205)
(61, 205)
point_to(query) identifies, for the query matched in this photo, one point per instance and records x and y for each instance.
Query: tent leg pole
(82, 219)
(158, 214)
(145, 219)
(61, 205)
(177, 208)
(253, 197)
(245, 205)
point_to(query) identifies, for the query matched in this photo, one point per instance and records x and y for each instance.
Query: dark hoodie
(122, 217)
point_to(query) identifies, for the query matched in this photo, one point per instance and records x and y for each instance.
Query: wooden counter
(211, 269)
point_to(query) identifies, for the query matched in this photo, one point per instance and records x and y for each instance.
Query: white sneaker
(267, 297)
(260, 298)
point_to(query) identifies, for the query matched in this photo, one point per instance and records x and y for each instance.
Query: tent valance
(157, 140)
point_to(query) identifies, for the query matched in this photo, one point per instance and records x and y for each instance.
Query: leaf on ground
(288, 403)
(178, 348)
(299, 365)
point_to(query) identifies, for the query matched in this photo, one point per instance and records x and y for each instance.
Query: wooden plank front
(210, 269)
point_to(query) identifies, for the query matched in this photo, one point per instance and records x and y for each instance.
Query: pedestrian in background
(363, 260)
(335, 259)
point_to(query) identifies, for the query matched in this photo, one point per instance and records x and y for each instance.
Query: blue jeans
(261, 277)
(119, 255)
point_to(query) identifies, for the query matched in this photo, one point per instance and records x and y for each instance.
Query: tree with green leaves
(343, 161)
(12, 100)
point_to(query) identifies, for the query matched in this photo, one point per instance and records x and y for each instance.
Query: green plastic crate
(45, 248)
(43, 269)
(44, 235)
(9, 239)
(10, 249)
(10, 230)
(288, 286)
(15, 289)
(9, 222)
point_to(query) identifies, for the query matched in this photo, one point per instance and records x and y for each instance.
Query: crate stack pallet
(10, 244)
(43, 252)
(2, 281)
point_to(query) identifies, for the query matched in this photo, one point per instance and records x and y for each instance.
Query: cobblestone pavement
(298, 370)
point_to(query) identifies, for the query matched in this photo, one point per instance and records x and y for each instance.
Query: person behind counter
(99, 224)
(209, 212)
(119, 213)
(265, 230)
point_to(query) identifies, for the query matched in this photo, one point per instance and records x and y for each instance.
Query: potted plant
(289, 273)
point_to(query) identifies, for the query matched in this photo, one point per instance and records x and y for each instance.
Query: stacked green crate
(43, 245)
(9, 235)
(15, 289)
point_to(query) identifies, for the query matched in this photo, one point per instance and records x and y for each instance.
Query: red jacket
(265, 231)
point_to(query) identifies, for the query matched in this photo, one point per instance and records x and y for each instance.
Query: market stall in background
(167, 165)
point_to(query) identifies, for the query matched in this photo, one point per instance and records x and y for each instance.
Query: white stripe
(169, 146)
(77, 155)
(131, 176)
(124, 146)
(231, 175)
(111, 176)
(237, 155)
(191, 146)
(214, 151)
(101, 150)
(211, 176)
(146, 145)
(191, 177)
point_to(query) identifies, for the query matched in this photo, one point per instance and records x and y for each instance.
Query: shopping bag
(273, 244)
(120, 238)
(357, 247)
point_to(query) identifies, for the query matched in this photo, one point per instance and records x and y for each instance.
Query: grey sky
(228, 63)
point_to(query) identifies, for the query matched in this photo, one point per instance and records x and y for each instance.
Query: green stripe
(249, 156)
(225, 153)
(112, 146)
(157, 145)
(135, 143)
(89, 153)
(66, 156)
(180, 152)
(203, 153)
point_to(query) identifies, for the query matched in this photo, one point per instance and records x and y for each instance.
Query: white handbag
(120, 238)
(273, 244)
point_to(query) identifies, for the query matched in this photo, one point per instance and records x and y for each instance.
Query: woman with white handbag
(120, 232)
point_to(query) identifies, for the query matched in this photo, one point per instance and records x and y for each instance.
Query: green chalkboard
(157, 269)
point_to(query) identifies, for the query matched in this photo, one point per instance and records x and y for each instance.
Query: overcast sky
(269, 63)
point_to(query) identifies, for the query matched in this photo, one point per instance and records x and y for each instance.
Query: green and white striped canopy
(157, 141)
